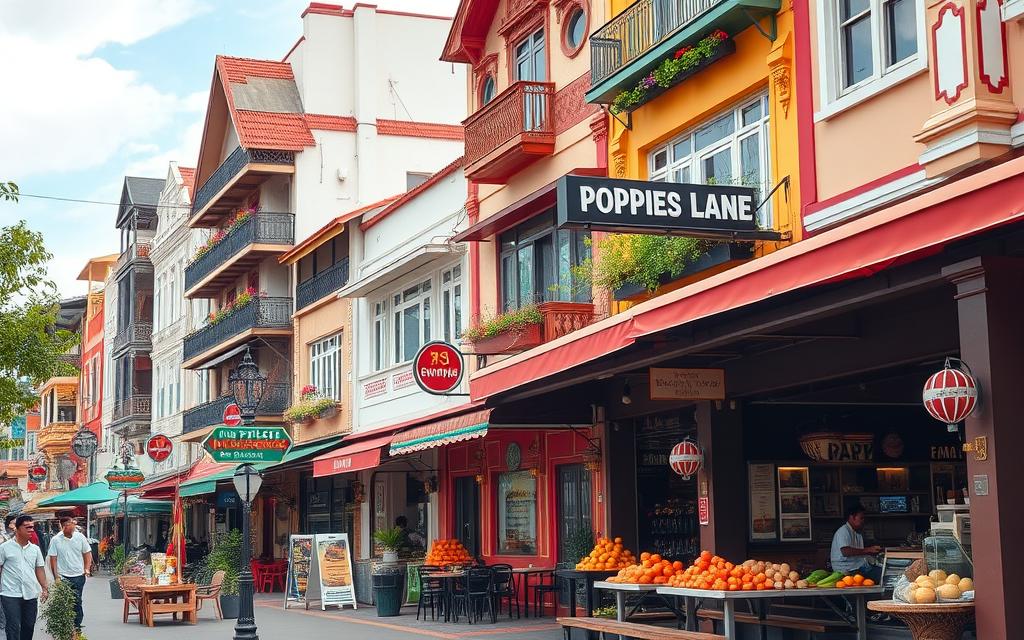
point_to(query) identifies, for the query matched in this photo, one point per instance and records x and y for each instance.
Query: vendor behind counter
(849, 555)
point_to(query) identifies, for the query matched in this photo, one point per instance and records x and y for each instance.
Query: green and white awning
(447, 431)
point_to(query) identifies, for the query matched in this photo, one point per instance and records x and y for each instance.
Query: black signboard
(722, 212)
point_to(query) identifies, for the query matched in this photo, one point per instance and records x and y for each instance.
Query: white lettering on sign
(342, 463)
(621, 201)
(441, 372)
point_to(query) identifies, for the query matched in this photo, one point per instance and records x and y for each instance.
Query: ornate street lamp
(247, 385)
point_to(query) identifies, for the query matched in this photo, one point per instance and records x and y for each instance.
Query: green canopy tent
(95, 493)
(141, 507)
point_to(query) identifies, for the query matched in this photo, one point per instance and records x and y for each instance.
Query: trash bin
(387, 593)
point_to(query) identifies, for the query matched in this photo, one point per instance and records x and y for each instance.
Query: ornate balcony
(322, 284)
(55, 438)
(266, 317)
(262, 234)
(241, 172)
(275, 400)
(137, 335)
(633, 43)
(135, 407)
(510, 132)
(136, 255)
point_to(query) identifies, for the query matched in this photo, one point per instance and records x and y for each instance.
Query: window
(538, 262)
(324, 257)
(732, 148)
(530, 58)
(410, 311)
(379, 335)
(517, 513)
(575, 31)
(325, 366)
(451, 303)
(488, 91)
(94, 380)
(414, 179)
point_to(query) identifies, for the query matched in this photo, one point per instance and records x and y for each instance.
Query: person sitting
(849, 555)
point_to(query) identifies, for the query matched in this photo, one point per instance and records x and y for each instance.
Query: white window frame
(693, 160)
(423, 299)
(452, 318)
(325, 366)
(379, 321)
(834, 98)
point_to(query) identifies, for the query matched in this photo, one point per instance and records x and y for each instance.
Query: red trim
(1004, 81)
(325, 122)
(805, 104)
(441, 427)
(318, 236)
(410, 14)
(433, 130)
(864, 188)
(943, 95)
(412, 193)
(294, 47)
(325, 9)
(567, 13)
(355, 457)
(473, 209)
(391, 429)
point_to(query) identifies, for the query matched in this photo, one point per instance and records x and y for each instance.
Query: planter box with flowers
(218, 236)
(525, 328)
(241, 301)
(311, 406)
(686, 63)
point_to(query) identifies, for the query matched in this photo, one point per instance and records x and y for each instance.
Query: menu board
(763, 522)
(794, 504)
(334, 559)
(302, 584)
(517, 513)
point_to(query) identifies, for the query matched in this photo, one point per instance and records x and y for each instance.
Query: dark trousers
(77, 583)
(20, 617)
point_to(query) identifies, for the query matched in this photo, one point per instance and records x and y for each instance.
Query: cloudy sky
(94, 90)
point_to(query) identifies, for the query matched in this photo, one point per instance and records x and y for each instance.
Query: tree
(31, 345)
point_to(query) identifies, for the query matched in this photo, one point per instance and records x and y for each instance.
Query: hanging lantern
(951, 394)
(686, 458)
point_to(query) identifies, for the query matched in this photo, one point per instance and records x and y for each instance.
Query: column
(723, 479)
(990, 308)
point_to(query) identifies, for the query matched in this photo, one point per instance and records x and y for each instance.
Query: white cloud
(185, 153)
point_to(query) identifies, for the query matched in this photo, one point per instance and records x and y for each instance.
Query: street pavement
(103, 622)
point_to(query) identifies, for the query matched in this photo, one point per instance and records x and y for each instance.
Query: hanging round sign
(37, 473)
(686, 458)
(438, 368)
(159, 447)
(950, 395)
(84, 443)
(232, 416)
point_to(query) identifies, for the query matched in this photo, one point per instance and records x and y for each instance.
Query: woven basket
(917, 569)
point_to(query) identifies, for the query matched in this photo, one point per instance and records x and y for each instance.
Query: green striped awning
(435, 434)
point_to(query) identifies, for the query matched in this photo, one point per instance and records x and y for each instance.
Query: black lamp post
(247, 385)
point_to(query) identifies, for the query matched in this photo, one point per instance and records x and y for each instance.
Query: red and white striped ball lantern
(951, 395)
(686, 458)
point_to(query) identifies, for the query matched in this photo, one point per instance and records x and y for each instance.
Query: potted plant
(226, 556)
(515, 330)
(311, 406)
(390, 541)
(120, 561)
(59, 612)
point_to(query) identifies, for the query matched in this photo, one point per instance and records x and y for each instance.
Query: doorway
(574, 514)
(467, 514)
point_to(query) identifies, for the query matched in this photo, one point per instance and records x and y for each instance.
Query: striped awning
(447, 431)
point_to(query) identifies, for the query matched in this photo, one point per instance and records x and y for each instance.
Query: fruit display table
(729, 599)
(588, 578)
(940, 621)
(621, 590)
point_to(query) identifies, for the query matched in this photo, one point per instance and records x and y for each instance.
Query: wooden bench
(783, 622)
(631, 630)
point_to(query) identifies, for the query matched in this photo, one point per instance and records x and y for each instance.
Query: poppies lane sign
(722, 212)
(438, 368)
(247, 444)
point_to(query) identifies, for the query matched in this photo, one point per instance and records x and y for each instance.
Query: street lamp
(247, 385)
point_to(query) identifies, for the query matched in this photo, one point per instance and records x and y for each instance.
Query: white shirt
(18, 566)
(68, 552)
(845, 536)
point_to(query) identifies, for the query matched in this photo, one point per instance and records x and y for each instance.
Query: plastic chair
(472, 593)
(211, 592)
(132, 595)
(432, 591)
(504, 587)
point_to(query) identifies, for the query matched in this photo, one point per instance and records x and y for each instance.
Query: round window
(487, 94)
(576, 29)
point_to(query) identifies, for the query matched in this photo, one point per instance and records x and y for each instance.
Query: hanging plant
(218, 236)
(311, 405)
(515, 320)
(641, 260)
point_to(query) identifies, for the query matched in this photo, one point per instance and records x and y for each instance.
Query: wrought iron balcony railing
(259, 313)
(523, 110)
(136, 333)
(641, 26)
(260, 228)
(232, 166)
(276, 399)
(322, 284)
(136, 252)
(136, 407)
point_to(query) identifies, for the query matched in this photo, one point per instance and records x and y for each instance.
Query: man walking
(22, 580)
(71, 560)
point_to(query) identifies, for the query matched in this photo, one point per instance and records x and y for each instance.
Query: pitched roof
(143, 191)
(326, 122)
(330, 230)
(188, 177)
(264, 103)
(458, 163)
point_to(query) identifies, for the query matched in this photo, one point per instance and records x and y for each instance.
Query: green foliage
(59, 611)
(309, 406)
(9, 191)
(641, 260)
(578, 543)
(515, 320)
(389, 539)
(120, 561)
(226, 556)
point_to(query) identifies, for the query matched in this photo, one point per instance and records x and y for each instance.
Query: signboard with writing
(632, 206)
(247, 444)
(159, 447)
(940, 452)
(121, 479)
(761, 490)
(232, 415)
(303, 583)
(18, 428)
(84, 443)
(703, 510)
(438, 368)
(37, 472)
(687, 384)
(334, 561)
(347, 463)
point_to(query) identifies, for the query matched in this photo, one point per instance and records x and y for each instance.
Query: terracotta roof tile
(325, 122)
(265, 130)
(420, 129)
(412, 193)
(188, 176)
(238, 70)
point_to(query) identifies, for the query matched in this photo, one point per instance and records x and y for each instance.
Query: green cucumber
(816, 575)
(830, 580)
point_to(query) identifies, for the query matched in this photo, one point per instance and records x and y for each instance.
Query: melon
(952, 579)
(966, 584)
(948, 592)
(924, 595)
(937, 575)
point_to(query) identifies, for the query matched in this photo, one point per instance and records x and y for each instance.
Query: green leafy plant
(241, 301)
(578, 542)
(221, 234)
(389, 539)
(515, 320)
(641, 260)
(119, 559)
(225, 556)
(310, 405)
(9, 191)
(59, 611)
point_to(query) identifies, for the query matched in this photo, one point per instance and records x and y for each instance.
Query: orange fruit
(840, 584)
(848, 580)
(858, 579)
(748, 586)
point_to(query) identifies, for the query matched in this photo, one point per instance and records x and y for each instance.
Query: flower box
(561, 318)
(512, 341)
(719, 255)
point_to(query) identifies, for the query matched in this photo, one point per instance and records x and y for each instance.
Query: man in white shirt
(71, 560)
(22, 580)
(849, 555)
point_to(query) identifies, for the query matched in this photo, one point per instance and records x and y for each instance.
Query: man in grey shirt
(22, 581)
(849, 555)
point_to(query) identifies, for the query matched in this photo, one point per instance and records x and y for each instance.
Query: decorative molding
(599, 127)
(570, 104)
(518, 13)
(375, 388)
(949, 50)
(993, 64)
(402, 380)
(782, 84)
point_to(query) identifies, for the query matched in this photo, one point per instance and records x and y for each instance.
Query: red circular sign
(232, 415)
(37, 473)
(159, 447)
(438, 368)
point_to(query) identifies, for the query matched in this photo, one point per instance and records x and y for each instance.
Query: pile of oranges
(855, 580)
(713, 572)
(607, 555)
(653, 569)
(447, 552)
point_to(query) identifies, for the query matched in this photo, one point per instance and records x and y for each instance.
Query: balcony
(264, 317)
(262, 234)
(136, 407)
(241, 172)
(137, 335)
(636, 41)
(322, 284)
(275, 400)
(558, 319)
(510, 132)
(136, 255)
(55, 438)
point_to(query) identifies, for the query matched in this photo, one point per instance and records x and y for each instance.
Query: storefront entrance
(467, 513)
(574, 512)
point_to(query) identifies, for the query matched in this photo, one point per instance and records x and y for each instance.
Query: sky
(94, 90)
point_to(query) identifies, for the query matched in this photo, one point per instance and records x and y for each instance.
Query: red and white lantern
(686, 458)
(950, 395)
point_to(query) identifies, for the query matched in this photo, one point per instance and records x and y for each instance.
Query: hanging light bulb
(627, 394)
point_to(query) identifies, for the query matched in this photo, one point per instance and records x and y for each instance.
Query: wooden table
(729, 599)
(157, 599)
(446, 577)
(939, 621)
(526, 572)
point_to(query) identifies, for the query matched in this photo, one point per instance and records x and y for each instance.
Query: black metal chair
(432, 593)
(547, 583)
(471, 593)
(504, 587)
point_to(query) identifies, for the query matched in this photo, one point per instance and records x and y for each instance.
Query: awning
(364, 454)
(196, 436)
(136, 507)
(208, 483)
(94, 493)
(919, 226)
(455, 429)
(33, 507)
(162, 487)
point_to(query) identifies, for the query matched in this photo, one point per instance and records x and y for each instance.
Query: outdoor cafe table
(729, 599)
(447, 577)
(163, 598)
(526, 572)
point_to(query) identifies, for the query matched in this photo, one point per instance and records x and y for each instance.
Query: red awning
(364, 454)
(163, 489)
(901, 233)
(441, 432)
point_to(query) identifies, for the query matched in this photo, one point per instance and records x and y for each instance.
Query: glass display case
(946, 553)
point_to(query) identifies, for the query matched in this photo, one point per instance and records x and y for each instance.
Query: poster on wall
(763, 522)
(794, 504)
(303, 584)
(334, 560)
